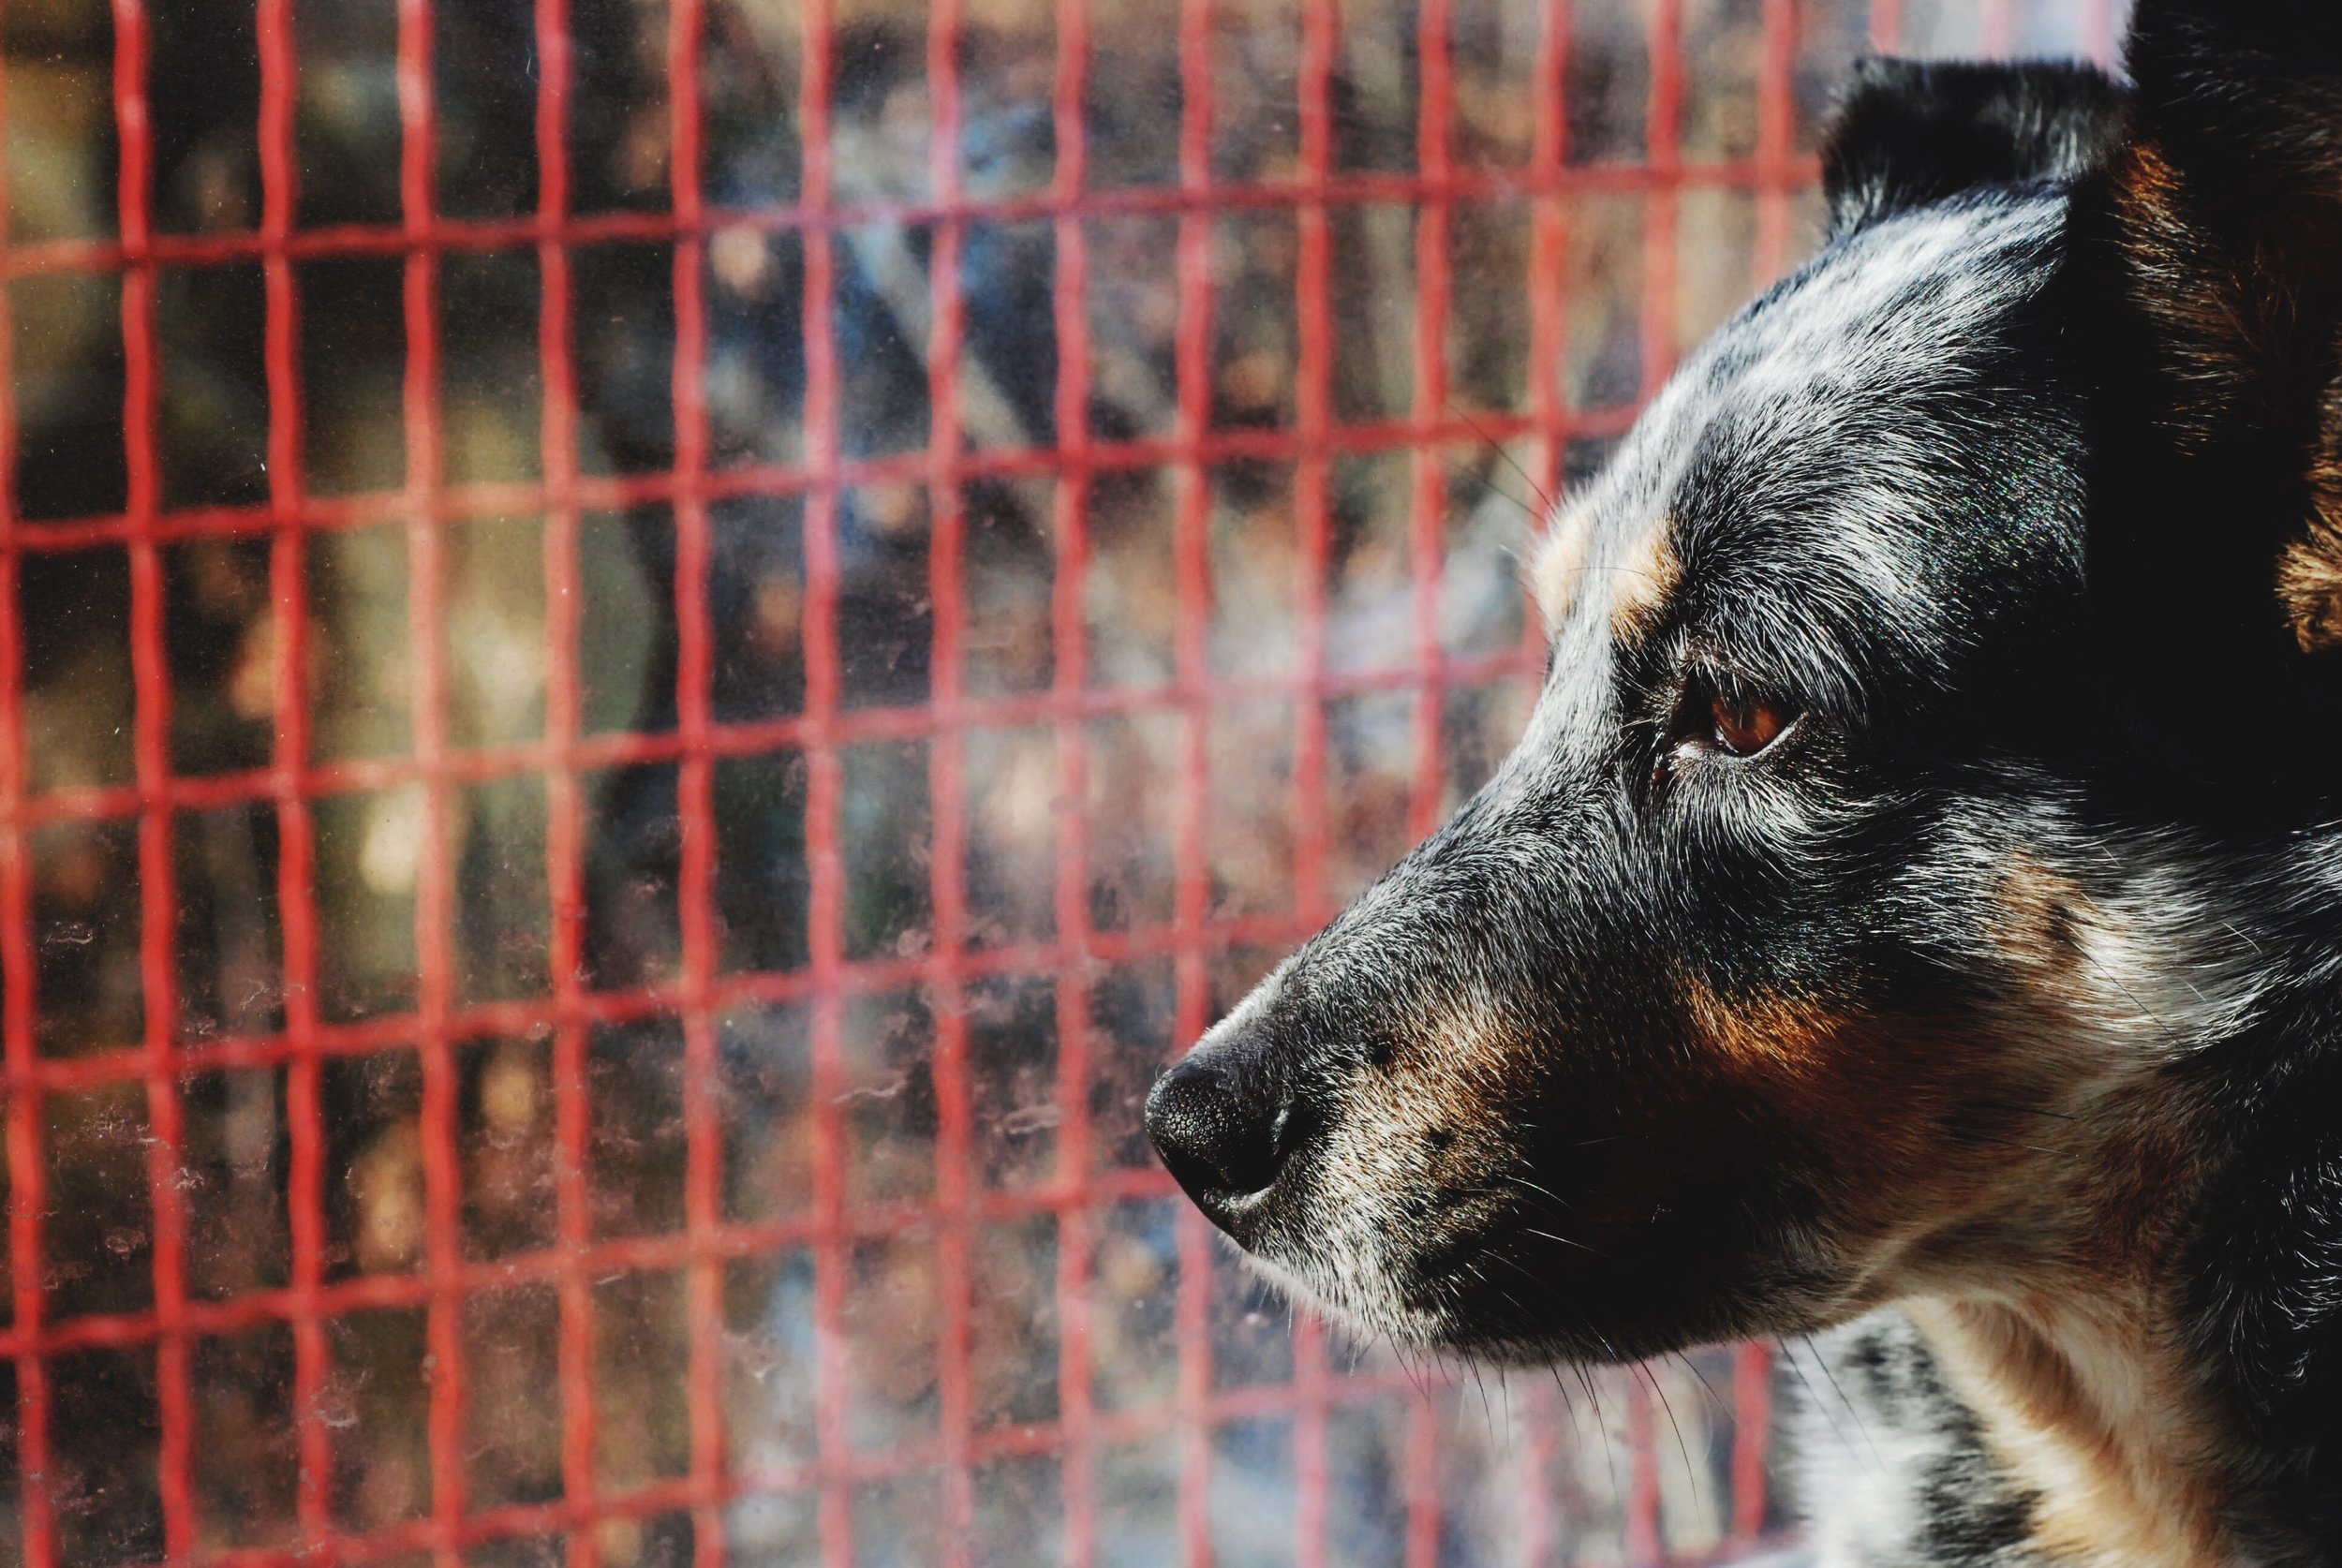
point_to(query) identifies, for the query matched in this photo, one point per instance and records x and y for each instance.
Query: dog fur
(1913, 916)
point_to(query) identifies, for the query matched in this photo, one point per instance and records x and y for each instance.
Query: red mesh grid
(836, 1466)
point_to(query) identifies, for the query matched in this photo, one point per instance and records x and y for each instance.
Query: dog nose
(1222, 1139)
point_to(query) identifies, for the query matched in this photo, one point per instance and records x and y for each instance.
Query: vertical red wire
(1776, 131)
(1885, 25)
(565, 828)
(946, 786)
(1663, 135)
(1314, 478)
(1548, 277)
(1312, 508)
(824, 868)
(1534, 1454)
(1776, 134)
(1428, 515)
(1070, 638)
(1999, 26)
(1192, 661)
(1427, 534)
(434, 892)
(1663, 138)
(1645, 1542)
(694, 673)
(1549, 257)
(296, 897)
(28, 1183)
(1751, 1440)
(2098, 33)
(1419, 1481)
(150, 672)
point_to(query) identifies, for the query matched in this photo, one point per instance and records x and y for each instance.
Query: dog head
(1939, 621)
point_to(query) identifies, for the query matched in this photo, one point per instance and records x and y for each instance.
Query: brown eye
(1745, 726)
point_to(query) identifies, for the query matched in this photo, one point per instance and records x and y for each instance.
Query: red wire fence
(1153, 1406)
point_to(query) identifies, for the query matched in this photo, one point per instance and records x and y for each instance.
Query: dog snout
(1222, 1133)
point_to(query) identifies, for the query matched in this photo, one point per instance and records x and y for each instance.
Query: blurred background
(637, 707)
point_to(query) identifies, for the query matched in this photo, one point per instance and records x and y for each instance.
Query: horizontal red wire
(445, 233)
(214, 792)
(504, 499)
(860, 1469)
(662, 1252)
(505, 1019)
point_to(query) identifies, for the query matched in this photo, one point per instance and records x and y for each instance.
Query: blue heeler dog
(1914, 914)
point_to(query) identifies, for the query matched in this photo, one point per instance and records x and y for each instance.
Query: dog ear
(2224, 211)
(1909, 132)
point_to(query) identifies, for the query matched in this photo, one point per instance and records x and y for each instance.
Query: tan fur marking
(2027, 1249)
(1557, 573)
(2025, 1195)
(2208, 316)
(1868, 1097)
(1646, 575)
(2042, 912)
(1780, 1034)
(2088, 1404)
(2066, 1349)
(2309, 575)
(2309, 585)
(2309, 572)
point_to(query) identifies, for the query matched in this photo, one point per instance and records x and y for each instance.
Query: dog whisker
(1693, 1366)
(1527, 1230)
(1602, 1424)
(1851, 1408)
(1497, 448)
(1540, 1189)
(1683, 1448)
(1813, 1397)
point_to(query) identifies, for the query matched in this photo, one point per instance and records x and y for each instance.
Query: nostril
(1216, 1139)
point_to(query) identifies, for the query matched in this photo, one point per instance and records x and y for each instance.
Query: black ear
(2225, 218)
(1910, 132)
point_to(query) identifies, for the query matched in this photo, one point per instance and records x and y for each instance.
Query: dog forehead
(1826, 417)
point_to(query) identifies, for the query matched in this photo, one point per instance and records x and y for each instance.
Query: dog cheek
(1887, 1125)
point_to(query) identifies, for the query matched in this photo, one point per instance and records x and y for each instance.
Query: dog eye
(1743, 726)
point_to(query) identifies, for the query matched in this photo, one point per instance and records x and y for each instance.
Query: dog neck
(2078, 1359)
(2094, 1408)
(2079, 1350)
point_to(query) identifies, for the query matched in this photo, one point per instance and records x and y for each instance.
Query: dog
(1913, 915)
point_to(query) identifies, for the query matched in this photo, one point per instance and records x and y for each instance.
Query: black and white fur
(1913, 916)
